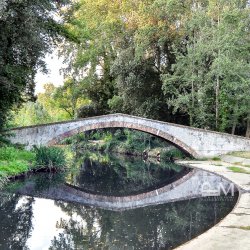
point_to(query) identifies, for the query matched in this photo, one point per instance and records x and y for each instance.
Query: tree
(138, 28)
(210, 80)
(164, 59)
(70, 97)
(31, 113)
(27, 28)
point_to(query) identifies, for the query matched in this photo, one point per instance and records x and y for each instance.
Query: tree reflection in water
(15, 221)
(155, 227)
(120, 176)
(82, 227)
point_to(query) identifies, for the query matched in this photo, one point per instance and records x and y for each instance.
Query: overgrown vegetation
(14, 161)
(124, 141)
(52, 158)
(172, 154)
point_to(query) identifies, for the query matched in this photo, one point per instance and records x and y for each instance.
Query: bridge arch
(111, 124)
(197, 142)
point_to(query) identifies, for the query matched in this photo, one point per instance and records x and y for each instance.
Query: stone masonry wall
(197, 142)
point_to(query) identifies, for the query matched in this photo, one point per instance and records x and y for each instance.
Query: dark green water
(117, 175)
(30, 222)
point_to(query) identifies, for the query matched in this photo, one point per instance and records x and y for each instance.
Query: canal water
(33, 217)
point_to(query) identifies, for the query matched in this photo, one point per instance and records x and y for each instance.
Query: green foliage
(178, 61)
(4, 140)
(172, 154)
(70, 97)
(124, 141)
(49, 103)
(14, 161)
(27, 29)
(12, 153)
(31, 113)
(210, 79)
(87, 111)
(15, 167)
(50, 157)
(216, 159)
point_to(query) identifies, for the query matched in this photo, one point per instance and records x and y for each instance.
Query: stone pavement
(233, 232)
(235, 160)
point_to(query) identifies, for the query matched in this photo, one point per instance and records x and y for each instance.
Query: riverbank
(233, 232)
(17, 162)
(14, 161)
(126, 142)
(160, 153)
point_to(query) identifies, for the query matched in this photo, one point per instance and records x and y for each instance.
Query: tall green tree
(70, 97)
(27, 28)
(210, 80)
(164, 59)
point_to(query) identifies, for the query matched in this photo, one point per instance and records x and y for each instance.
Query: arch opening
(110, 125)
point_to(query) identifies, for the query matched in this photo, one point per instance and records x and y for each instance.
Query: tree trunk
(192, 109)
(234, 126)
(248, 127)
(217, 89)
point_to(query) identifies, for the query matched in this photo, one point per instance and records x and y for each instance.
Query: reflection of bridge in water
(195, 184)
(196, 142)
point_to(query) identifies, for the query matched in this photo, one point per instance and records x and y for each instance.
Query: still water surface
(30, 222)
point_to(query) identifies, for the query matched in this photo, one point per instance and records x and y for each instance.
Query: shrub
(67, 141)
(172, 154)
(110, 145)
(50, 157)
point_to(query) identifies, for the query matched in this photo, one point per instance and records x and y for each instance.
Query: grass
(15, 161)
(238, 170)
(215, 158)
(243, 154)
(50, 157)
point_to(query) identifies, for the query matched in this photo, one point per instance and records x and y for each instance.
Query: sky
(54, 64)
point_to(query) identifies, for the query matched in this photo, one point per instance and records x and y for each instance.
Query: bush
(172, 154)
(50, 157)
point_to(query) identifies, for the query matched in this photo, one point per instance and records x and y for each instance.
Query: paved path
(235, 160)
(233, 232)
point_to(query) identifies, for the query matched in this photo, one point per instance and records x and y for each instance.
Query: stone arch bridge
(196, 142)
